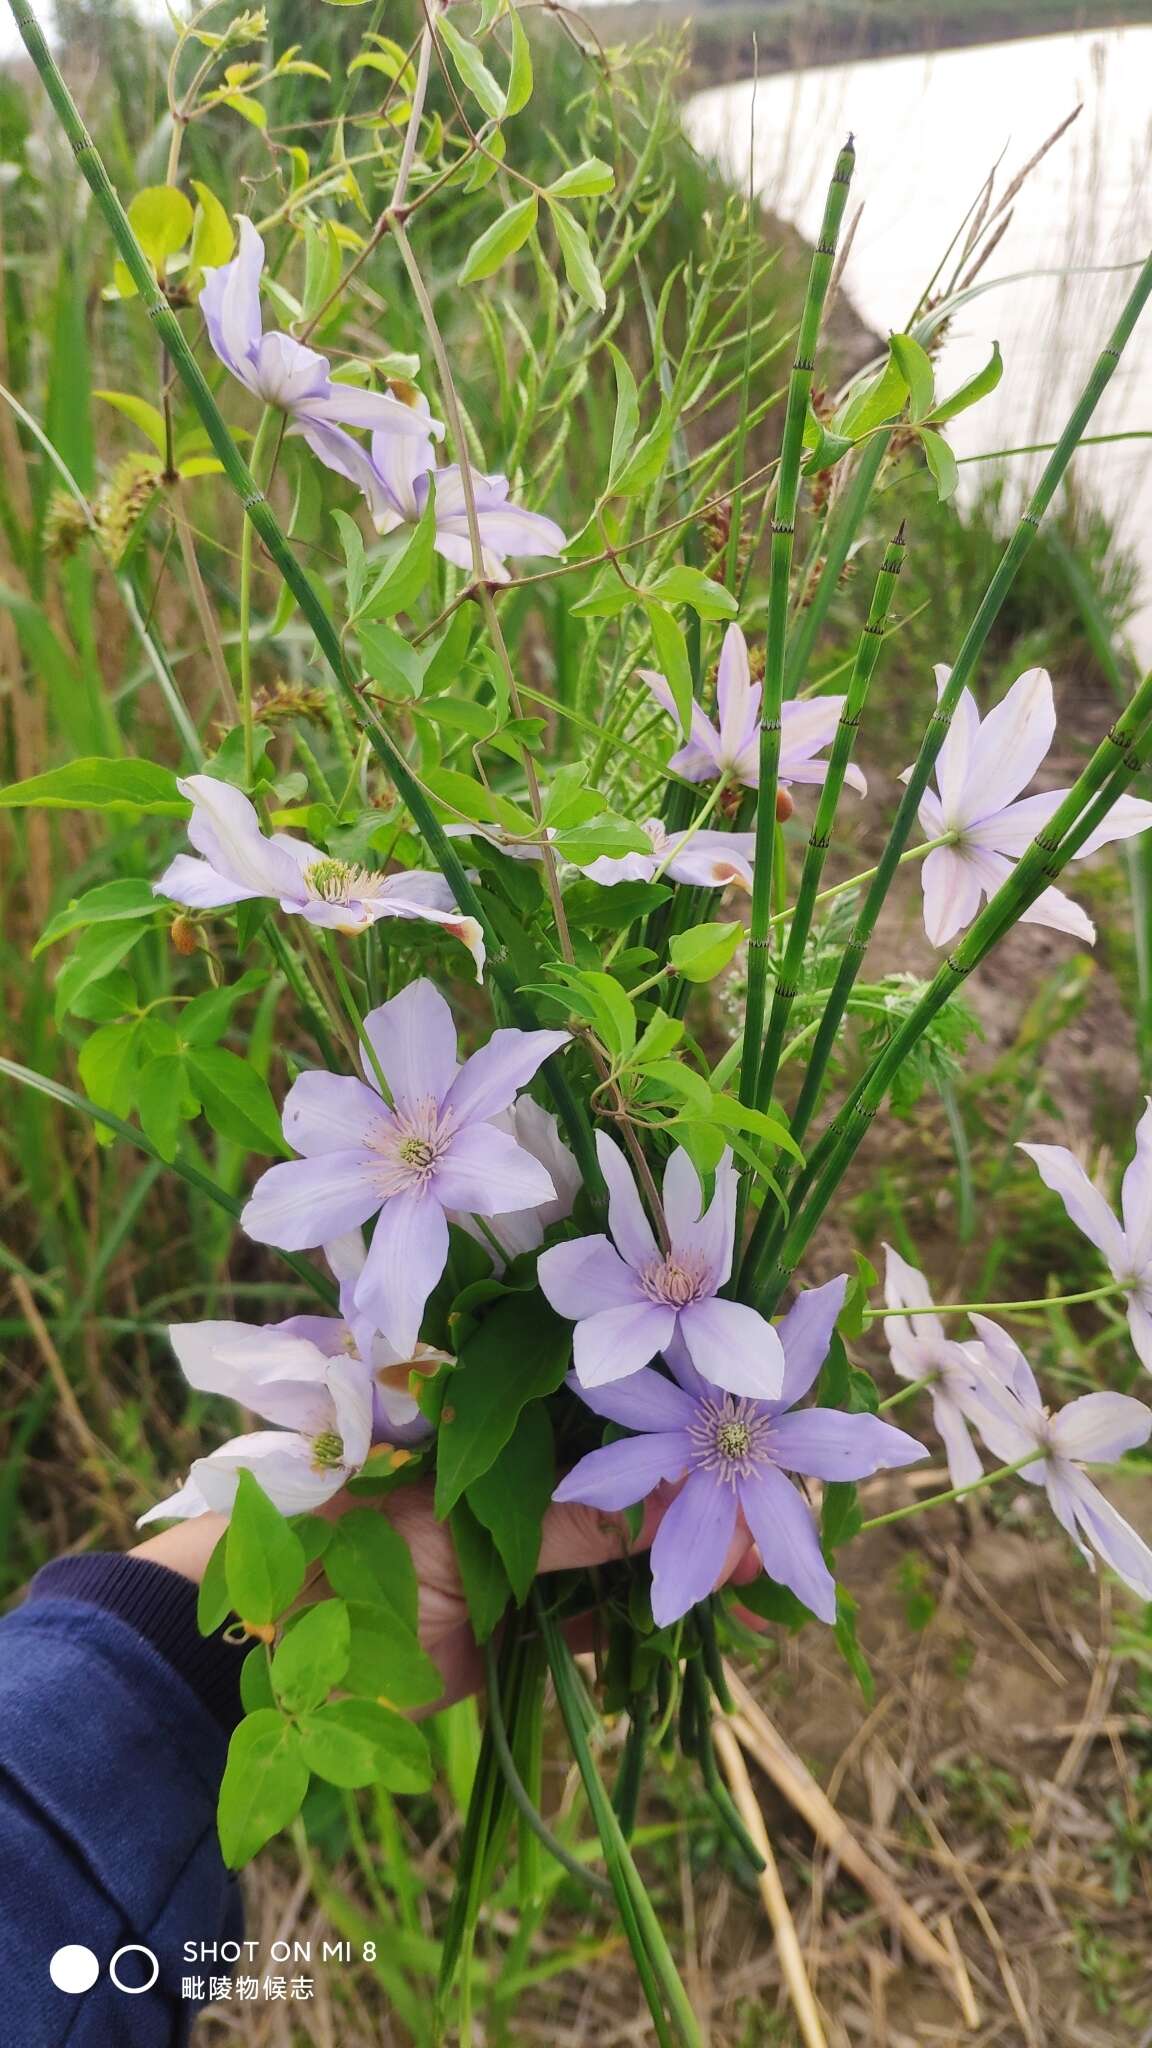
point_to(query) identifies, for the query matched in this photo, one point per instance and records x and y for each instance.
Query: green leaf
(738, 1116)
(108, 1062)
(236, 1099)
(511, 1498)
(312, 1656)
(162, 218)
(701, 952)
(149, 420)
(975, 388)
(585, 180)
(98, 785)
(520, 72)
(672, 656)
(213, 236)
(626, 423)
(683, 585)
(386, 1661)
(406, 575)
(519, 1353)
(255, 1683)
(579, 262)
(363, 1736)
(498, 242)
(391, 660)
(848, 1644)
(472, 68)
(880, 399)
(648, 457)
(163, 1101)
(367, 1560)
(265, 1780)
(941, 461)
(264, 1559)
(98, 952)
(916, 369)
(487, 1590)
(592, 906)
(355, 560)
(108, 903)
(212, 1603)
(616, 1019)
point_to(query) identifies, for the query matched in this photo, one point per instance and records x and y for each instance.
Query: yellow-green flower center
(327, 1450)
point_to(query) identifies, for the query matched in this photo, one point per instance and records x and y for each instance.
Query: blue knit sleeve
(114, 1723)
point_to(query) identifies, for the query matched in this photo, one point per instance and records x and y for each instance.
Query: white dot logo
(133, 1948)
(74, 1969)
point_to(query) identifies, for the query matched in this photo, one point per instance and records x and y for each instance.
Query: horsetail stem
(259, 513)
(776, 638)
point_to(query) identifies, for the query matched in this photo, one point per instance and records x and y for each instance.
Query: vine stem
(939, 1500)
(246, 537)
(984, 1308)
(259, 513)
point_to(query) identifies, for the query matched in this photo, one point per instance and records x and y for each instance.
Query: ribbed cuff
(161, 1606)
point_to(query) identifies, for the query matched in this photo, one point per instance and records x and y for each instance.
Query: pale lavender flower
(1094, 1430)
(709, 860)
(536, 1130)
(958, 1372)
(304, 1375)
(1126, 1246)
(404, 472)
(396, 1414)
(240, 863)
(736, 1455)
(281, 371)
(630, 1302)
(731, 747)
(434, 1150)
(980, 771)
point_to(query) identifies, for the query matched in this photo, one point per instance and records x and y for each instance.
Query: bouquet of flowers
(562, 1245)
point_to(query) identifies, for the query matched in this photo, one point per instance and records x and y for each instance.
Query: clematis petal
(334, 1113)
(1005, 1362)
(197, 884)
(399, 460)
(735, 1347)
(1140, 1328)
(806, 726)
(279, 1374)
(1012, 830)
(617, 1341)
(913, 1341)
(624, 1473)
(225, 829)
(709, 1236)
(952, 761)
(805, 1334)
(349, 405)
(1097, 1429)
(702, 733)
(586, 1276)
(489, 1081)
(713, 860)
(631, 1230)
(414, 1039)
(964, 1461)
(487, 1173)
(230, 301)
(609, 869)
(304, 1202)
(822, 1443)
(1136, 1195)
(350, 1391)
(737, 703)
(1129, 816)
(644, 1401)
(785, 1535)
(282, 1462)
(1061, 1171)
(1010, 745)
(408, 1253)
(1111, 1537)
(511, 530)
(1058, 913)
(690, 1546)
(952, 891)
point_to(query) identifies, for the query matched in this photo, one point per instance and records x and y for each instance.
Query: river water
(928, 130)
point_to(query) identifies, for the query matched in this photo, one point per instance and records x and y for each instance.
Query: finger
(575, 1537)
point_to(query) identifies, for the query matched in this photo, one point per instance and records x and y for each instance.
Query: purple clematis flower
(240, 863)
(405, 472)
(536, 1131)
(396, 1414)
(958, 1372)
(980, 771)
(709, 860)
(736, 1455)
(1094, 1430)
(732, 747)
(283, 372)
(1127, 1246)
(303, 1374)
(630, 1302)
(434, 1149)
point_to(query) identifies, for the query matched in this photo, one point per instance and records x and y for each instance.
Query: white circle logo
(133, 1948)
(74, 1969)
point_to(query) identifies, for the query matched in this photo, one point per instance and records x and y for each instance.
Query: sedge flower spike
(433, 1150)
(404, 473)
(629, 1299)
(239, 863)
(731, 747)
(282, 372)
(1096, 1429)
(981, 769)
(704, 860)
(1127, 1245)
(957, 1373)
(734, 1456)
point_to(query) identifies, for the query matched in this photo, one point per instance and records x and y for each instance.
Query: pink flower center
(674, 1282)
(413, 1145)
(730, 1438)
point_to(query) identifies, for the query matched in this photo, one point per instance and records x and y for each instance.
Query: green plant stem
(898, 1399)
(258, 447)
(352, 1010)
(843, 527)
(259, 513)
(783, 538)
(963, 668)
(1003, 1308)
(787, 985)
(516, 1789)
(939, 1500)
